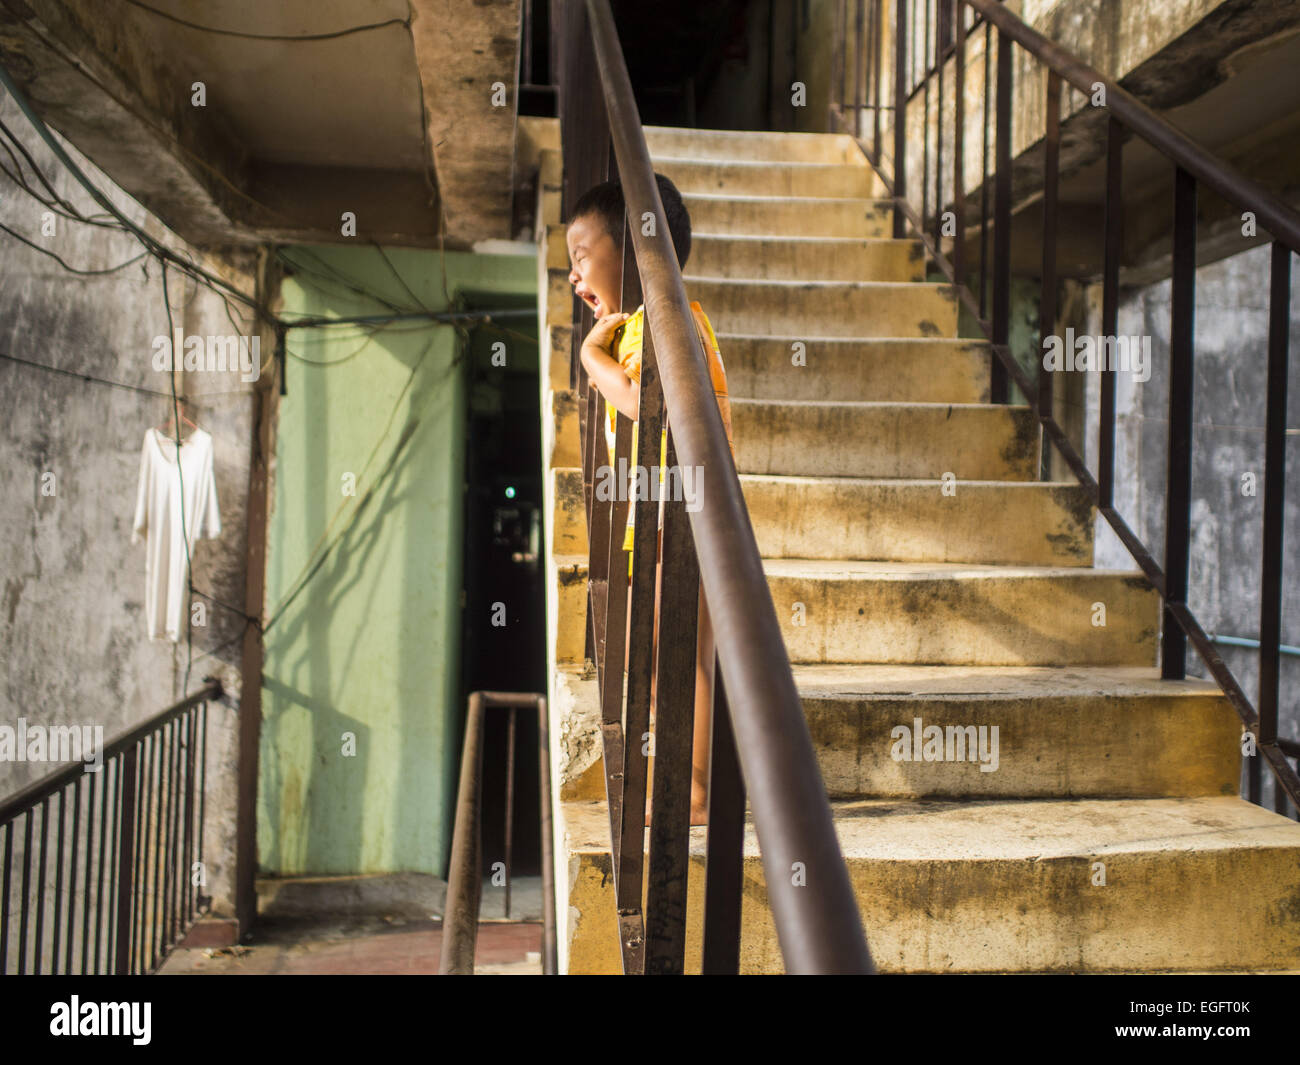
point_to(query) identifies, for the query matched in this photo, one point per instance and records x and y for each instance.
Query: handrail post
(1114, 233)
(1270, 611)
(464, 878)
(1178, 497)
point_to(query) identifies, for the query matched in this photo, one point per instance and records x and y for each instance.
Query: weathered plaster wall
(72, 626)
(1228, 442)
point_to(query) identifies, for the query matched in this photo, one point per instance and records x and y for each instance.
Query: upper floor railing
(904, 51)
(771, 755)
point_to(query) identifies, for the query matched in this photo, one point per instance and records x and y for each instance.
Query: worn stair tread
(874, 202)
(878, 404)
(853, 569)
(764, 238)
(1040, 829)
(791, 284)
(755, 164)
(908, 682)
(896, 482)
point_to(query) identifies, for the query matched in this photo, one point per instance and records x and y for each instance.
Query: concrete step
(977, 441)
(726, 145)
(799, 309)
(949, 614)
(1200, 884)
(1084, 732)
(790, 216)
(1029, 523)
(805, 258)
(768, 178)
(932, 370)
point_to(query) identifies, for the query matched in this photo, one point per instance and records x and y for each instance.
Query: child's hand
(602, 333)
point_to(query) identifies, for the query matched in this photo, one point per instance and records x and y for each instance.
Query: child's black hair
(605, 201)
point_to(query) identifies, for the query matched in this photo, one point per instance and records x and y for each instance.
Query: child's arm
(606, 374)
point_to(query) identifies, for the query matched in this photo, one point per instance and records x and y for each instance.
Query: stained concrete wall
(1231, 333)
(72, 627)
(360, 736)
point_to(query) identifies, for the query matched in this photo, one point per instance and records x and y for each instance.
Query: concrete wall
(371, 645)
(72, 627)
(1228, 442)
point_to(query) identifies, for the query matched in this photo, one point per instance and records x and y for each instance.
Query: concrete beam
(463, 48)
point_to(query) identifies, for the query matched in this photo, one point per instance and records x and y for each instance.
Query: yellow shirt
(626, 349)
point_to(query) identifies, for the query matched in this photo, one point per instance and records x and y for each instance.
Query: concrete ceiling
(395, 123)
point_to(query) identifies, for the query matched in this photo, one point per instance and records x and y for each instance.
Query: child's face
(597, 264)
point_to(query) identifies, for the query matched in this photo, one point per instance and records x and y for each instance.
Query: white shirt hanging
(158, 517)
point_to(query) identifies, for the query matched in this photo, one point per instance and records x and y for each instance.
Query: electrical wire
(71, 269)
(243, 35)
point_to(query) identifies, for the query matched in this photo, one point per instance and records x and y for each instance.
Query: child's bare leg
(700, 745)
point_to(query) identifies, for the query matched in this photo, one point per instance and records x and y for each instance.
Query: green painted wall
(370, 643)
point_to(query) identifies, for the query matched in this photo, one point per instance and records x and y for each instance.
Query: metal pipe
(819, 926)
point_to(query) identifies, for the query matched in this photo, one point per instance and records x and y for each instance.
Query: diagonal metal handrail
(816, 916)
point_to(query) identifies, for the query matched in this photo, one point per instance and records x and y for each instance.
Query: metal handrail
(150, 782)
(465, 874)
(818, 925)
(1192, 163)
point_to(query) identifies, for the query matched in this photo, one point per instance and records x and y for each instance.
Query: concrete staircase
(924, 578)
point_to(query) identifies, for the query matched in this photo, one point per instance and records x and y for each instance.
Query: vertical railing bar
(959, 149)
(40, 889)
(941, 30)
(925, 114)
(839, 58)
(115, 765)
(725, 858)
(1178, 498)
(998, 390)
(900, 118)
(513, 711)
(173, 828)
(203, 789)
(4, 897)
(1114, 243)
(91, 792)
(58, 886)
(72, 880)
(984, 171)
(124, 844)
(1047, 295)
(1270, 610)
(187, 887)
(144, 794)
(24, 902)
(665, 919)
(858, 60)
(877, 33)
(155, 849)
(641, 636)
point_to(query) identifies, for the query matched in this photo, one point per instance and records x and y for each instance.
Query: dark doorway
(503, 611)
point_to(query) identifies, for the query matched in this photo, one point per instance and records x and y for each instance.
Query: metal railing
(947, 27)
(771, 756)
(465, 875)
(126, 866)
